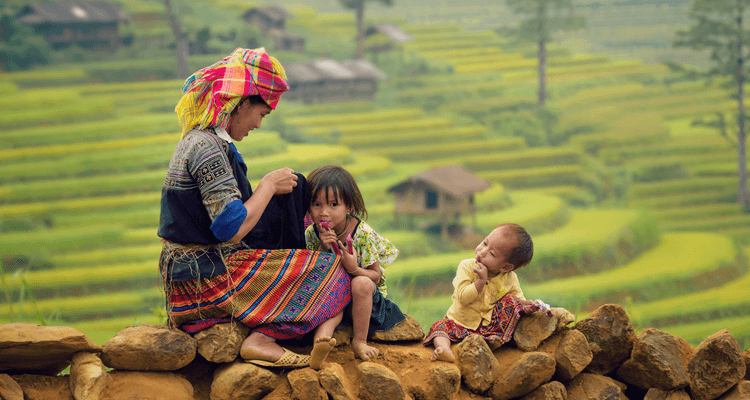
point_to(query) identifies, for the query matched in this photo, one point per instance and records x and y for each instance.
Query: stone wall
(599, 357)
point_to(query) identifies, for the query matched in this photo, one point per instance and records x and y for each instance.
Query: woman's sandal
(289, 359)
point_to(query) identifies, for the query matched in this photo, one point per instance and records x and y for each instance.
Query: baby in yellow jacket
(487, 297)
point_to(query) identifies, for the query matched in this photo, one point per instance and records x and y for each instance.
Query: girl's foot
(443, 354)
(321, 348)
(364, 351)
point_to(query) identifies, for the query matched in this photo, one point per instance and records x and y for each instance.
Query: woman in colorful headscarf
(231, 253)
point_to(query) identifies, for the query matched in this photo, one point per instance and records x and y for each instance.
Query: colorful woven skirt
(280, 293)
(505, 316)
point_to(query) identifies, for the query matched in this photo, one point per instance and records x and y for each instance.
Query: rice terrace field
(628, 201)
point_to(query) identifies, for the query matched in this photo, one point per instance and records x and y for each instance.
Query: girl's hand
(327, 237)
(481, 271)
(281, 181)
(348, 256)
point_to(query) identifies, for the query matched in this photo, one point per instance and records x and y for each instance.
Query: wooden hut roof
(453, 179)
(71, 11)
(272, 13)
(390, 30)
(363, 69)
(331, 70)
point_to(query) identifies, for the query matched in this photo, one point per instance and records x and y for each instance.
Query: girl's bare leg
(324, 341)
(442, 350)
(362, 291)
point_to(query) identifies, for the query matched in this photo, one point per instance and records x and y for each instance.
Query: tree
(719, 27)
(546, 18)
(181, 42)
(359, 7)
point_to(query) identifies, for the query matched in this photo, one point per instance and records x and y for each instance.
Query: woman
(221, 258)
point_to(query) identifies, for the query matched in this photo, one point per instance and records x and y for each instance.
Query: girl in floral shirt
(337, 210)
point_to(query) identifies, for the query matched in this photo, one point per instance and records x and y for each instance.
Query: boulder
(532, 329)
(479, 367)
(658, 394)
(573, 354)
(563, 317)
(306, 385)
(379, 383)
(406, 330)
(241, 380)
(740, 391)
(41, 387)
(659, 360)
(221, 343)
(716, 366)
(746, 360)
(527, 374)
(587, 386)
(549, 391)
(88, 377)
(610, 335)
(40, 350)
(149, 348)
(333, 380)
(444, 380)
(126, 385)
(9, 388)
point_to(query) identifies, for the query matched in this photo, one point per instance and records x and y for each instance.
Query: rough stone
(573, 354)
(592, 386)
(549, 391)
(532, 329)
(343, 335)
(445, 381)
(41, 350)
(740, 391)
(88, 377)
(406, 330)
(479, 367)
(659, 360)
(716, 366)
(746, 360)
(379, 383)
(306, 385)
(563, 316)
(200, 374)
(221, 343)
(658, 394)
(240, 380)
(333, 380)
(527, 374)
(127, 385)
(40, 387)
(9, 388)
(610, 335)
(149, 348)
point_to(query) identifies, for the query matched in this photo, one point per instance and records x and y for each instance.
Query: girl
(487, 297)
(337, 210)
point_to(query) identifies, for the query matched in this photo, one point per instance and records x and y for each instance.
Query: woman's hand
(326, 237)
(281, 181)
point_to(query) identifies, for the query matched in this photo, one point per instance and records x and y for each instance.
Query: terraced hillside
(627, 202)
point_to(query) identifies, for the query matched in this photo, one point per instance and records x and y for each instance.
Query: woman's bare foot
(443, 354)
(364, 351)
(321, 348)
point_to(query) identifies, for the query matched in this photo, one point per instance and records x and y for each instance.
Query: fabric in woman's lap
(280, 293)
(505, 316)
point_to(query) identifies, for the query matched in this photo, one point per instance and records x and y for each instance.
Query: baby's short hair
(521, 255)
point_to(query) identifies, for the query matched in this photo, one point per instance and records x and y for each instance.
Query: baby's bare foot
(364, 351)
(494, 344)
(321, 348)
(443, 354)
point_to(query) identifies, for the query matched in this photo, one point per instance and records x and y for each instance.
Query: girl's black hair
(342, 183)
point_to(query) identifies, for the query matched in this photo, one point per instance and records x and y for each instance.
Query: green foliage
(20, 47)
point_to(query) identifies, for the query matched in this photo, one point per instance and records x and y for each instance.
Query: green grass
(679, 257)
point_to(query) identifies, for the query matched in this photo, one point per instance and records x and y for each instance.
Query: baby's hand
(528, 305)
(481, 271)
(348, 255)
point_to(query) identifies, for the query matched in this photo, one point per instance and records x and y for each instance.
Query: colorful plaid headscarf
(212, 93)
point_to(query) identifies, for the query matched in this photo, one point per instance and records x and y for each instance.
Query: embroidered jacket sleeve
(312, 242)
(209, 166)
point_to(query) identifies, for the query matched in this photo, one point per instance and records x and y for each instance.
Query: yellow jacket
(470, 308)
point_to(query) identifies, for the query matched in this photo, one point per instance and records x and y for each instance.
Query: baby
(487, 297)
